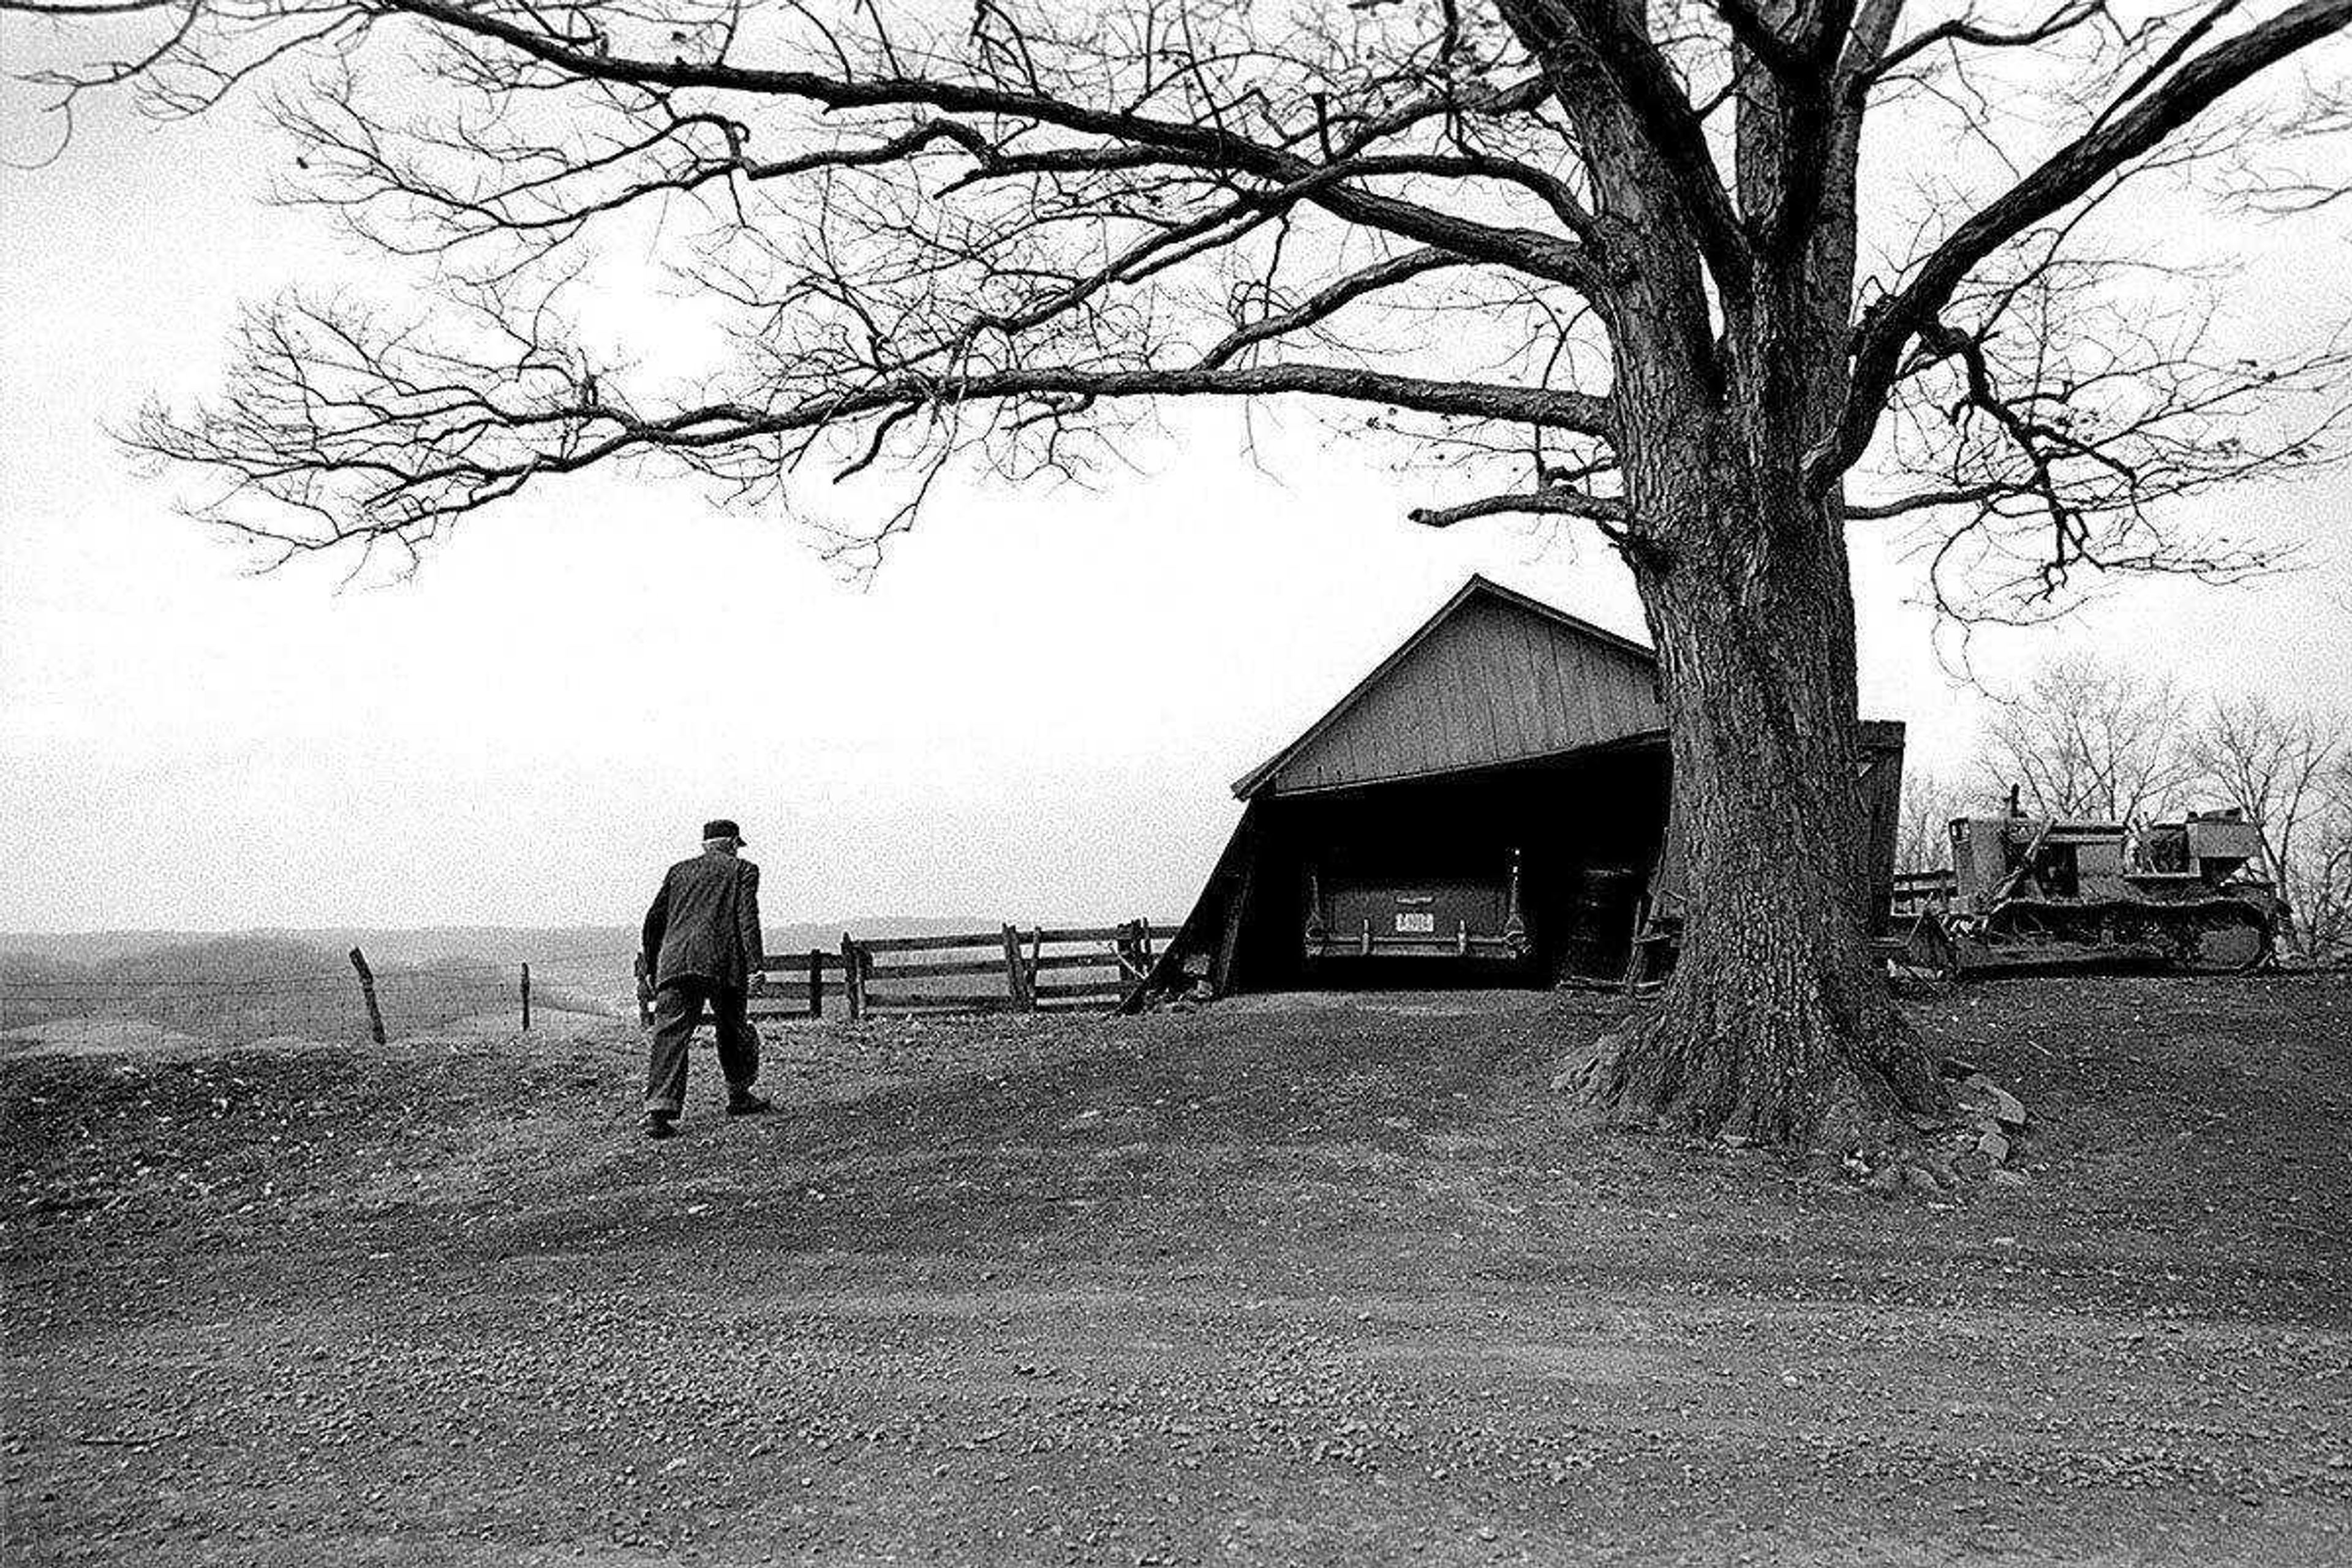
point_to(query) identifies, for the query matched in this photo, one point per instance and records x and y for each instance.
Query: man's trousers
(677, 1009)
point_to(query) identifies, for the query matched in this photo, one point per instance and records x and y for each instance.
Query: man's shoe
(660, 1126)
(746, 1104)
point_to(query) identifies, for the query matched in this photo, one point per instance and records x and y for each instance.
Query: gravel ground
(1290, 1280)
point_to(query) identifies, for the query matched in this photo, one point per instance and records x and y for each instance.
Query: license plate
(1416, 924)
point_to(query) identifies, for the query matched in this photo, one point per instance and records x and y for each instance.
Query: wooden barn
(1490, 806)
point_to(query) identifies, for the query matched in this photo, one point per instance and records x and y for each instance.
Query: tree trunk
(1777, 1020)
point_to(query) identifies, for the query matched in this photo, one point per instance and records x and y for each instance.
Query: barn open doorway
(1524, 875)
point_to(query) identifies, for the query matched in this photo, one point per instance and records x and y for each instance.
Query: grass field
(242, 990)
(1290, 1280)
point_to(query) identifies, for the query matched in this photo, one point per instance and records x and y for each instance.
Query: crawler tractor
(2043, 894)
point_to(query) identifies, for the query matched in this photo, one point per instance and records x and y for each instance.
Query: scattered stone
(1577, 1071)
(1994, 1146)
(1981, 1094)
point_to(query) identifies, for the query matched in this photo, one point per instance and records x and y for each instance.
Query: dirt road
(1287, 1281)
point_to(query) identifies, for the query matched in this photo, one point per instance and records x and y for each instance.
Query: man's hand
(645, 979)
(757, 983)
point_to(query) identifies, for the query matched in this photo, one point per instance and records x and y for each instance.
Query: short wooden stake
(526, 998)
(816, 983)
(855, 981)
(367, 995)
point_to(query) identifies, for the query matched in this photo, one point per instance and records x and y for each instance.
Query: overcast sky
(1034, 711)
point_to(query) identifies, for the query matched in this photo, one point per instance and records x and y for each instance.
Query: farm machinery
(2041, 893)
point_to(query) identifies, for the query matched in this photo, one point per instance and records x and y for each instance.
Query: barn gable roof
(1493, 677)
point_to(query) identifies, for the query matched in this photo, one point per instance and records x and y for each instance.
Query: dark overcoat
(705, 921)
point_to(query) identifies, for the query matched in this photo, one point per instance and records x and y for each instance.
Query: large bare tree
(1603, 262)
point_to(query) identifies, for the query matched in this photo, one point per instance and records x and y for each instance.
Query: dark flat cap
(722, 828)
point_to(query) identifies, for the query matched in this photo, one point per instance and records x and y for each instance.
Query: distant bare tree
(2319, 880)
(1591, 261)
(1924, 842)
(2267, 761)
(2288, 769)
(2087, 739)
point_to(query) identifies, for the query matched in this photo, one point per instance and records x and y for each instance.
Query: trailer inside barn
(1490, 806)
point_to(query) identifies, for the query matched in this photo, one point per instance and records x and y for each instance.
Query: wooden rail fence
(1915, 891)
(1010, 969)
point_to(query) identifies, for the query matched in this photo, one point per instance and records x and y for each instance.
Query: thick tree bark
(1778, 1025)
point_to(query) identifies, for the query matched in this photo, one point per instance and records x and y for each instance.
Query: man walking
(702, 946)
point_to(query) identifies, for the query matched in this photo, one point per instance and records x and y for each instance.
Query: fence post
(526, 998)
(1017, 985)
(816, 983)
(855, 979)
(367, 995)
(1036, 950)
(1134, 944)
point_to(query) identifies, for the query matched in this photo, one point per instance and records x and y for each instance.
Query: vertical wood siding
(1491, 683)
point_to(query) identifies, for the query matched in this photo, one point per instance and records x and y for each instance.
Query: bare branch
(1889, 326)
(1958, 31)
(1922, 501)
(1556, 500)
(1326, 302)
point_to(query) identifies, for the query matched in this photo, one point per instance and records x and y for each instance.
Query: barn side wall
(1881, 806)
